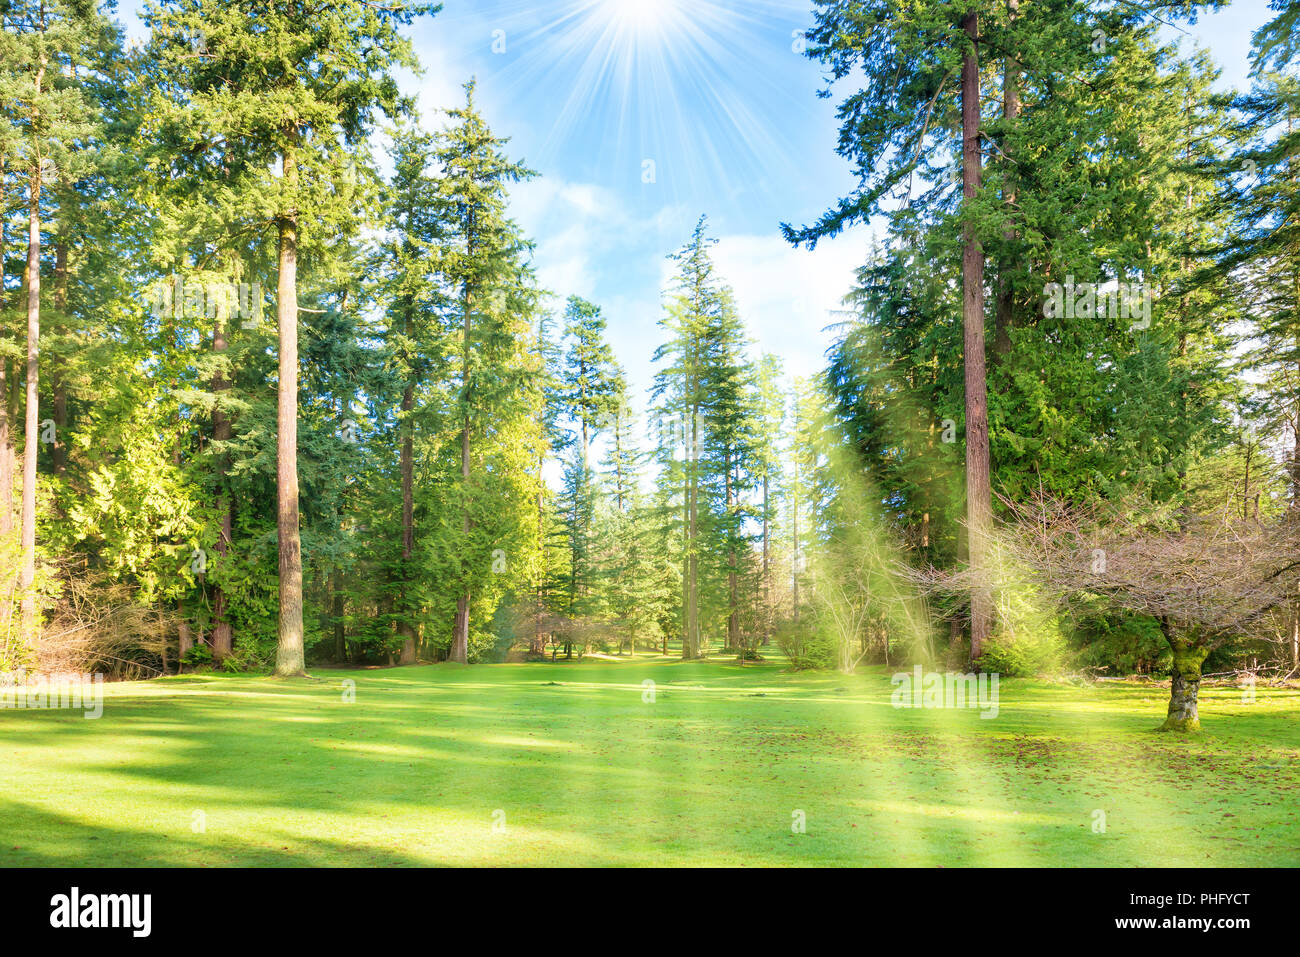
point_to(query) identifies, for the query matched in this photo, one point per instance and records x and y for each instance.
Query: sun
(674, 87)
(643, 17)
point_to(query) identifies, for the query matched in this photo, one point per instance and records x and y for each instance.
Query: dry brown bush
(97, 628)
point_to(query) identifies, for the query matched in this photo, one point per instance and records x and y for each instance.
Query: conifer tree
(51, 114)
(731, 385)
(770, 413)
(482, 270)
(415, 336)
(681, 390)
(590, 387)
(289, 88)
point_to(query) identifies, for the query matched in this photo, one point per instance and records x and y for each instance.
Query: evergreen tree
(1072, 190)
(768, 473)
(590, 387)
(414, 336)
(50, 49)
(492, 299)
(288, 89)
(731, 389)
(681, 390)
(1263, 196)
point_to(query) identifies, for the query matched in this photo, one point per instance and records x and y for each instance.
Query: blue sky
(717, 98)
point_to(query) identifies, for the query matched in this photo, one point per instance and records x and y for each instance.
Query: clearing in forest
(590, 763)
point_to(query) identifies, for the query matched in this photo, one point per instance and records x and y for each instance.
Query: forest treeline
(1090, 268)
(282, 405)
(285, 404)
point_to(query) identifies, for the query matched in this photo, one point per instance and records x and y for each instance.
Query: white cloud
(440, 86)
(589, 243)
(566, 220)
(787, 296)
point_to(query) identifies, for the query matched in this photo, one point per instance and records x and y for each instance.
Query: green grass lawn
(428, 763)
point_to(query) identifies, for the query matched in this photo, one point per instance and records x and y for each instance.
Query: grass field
(566, 764)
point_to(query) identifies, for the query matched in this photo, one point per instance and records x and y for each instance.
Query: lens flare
(643, 16)
(650, 84)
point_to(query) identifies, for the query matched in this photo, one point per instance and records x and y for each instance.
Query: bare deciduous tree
(1205, 577)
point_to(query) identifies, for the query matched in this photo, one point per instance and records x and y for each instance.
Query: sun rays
(661, 94)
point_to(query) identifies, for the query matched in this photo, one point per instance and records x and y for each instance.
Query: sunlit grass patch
(555, 764)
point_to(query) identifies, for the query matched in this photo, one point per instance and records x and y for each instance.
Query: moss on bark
(1184, 686)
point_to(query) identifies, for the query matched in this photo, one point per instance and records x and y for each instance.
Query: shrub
(197, 656)
(1010, 658)
(806, 645)
(247, 657)
(96, 627)
(1122, 642)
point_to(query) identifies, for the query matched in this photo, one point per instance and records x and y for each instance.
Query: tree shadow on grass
(426, 763)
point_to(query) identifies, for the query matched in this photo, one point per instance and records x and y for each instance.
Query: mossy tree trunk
(1184, 686)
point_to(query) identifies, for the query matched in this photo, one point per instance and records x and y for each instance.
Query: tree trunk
(794, 557)
(536, 646)
(691, 637)
(7, 579)
(686, 555)
(460, 634)
(289, 654)
(32, 425)
(979, 498)
(222, 431)
(336, 612)
(404, 627)
(12, 415)
(185, 638)
(6, 457)
(58, 450)
(1184, 686)
(1004, 313)
(6, 436)
(767, 566)
(8, 413)
(460, 630)
(223, 635)
(733, 600)
(1295, 639)
(573, 551)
